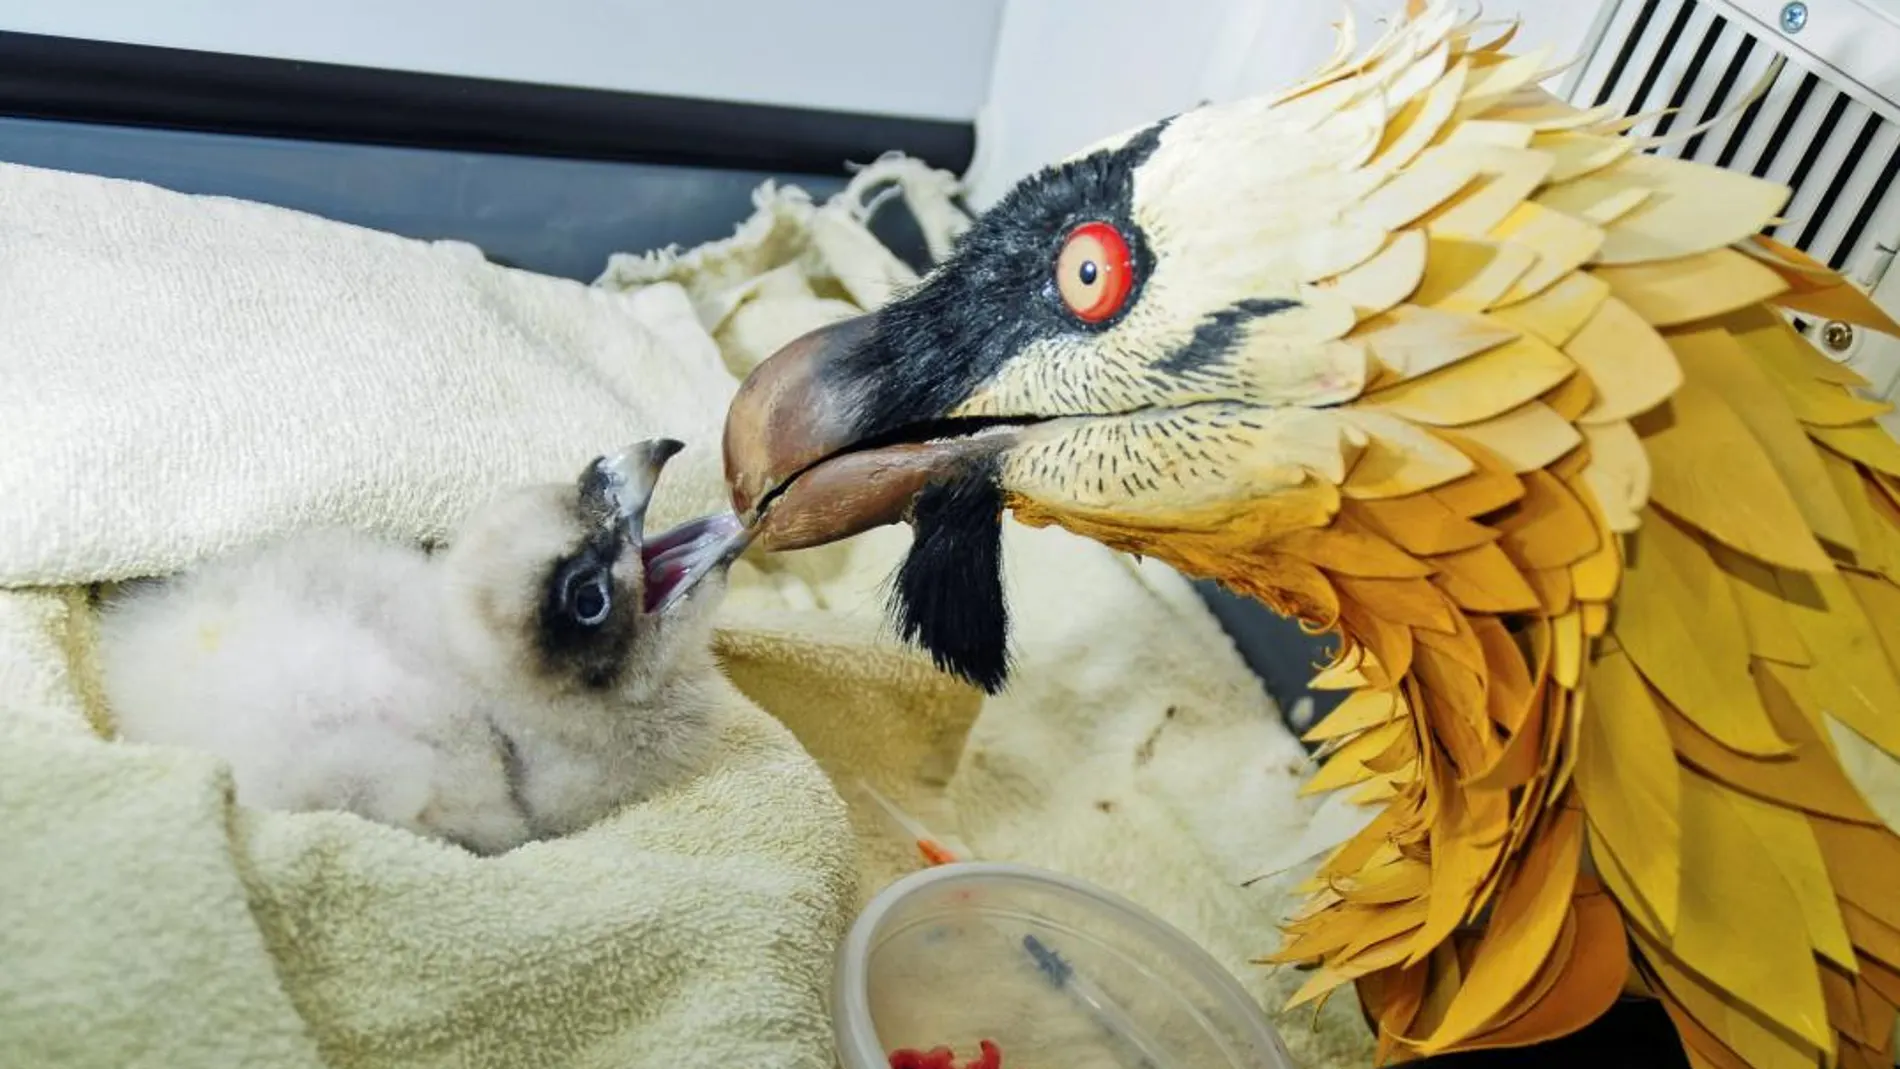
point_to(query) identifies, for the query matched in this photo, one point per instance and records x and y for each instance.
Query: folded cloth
(186, 374)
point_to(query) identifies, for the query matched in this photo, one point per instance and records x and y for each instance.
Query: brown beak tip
(789, 435)
(784, 416)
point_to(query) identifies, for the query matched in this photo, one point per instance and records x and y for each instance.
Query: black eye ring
(592, 600)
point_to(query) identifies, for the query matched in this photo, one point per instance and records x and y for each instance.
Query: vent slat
(1770, 155)
(1629, 36)
(1724, 86)
(1830, 204)
(1822, 157)
(1689, 74)
(1689, 78)
(1641, 53)
(1885, 160)
(1752, 130)
(1646, 98)
(1817, 140)
(1840, 157)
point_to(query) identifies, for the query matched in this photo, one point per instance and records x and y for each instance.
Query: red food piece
(935, 853)
(943, 1058)
(937, 1058)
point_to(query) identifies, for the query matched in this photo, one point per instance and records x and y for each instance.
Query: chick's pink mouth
(678, 558)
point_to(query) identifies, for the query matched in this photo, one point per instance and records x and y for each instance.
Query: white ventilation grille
(1841, 157)
(1819, 130)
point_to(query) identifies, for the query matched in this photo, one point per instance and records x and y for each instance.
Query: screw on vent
(1794, 17)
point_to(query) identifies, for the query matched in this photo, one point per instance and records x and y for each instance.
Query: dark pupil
(1088, 272)
(590, 601)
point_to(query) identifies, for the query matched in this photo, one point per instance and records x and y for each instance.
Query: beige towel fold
(185, 374)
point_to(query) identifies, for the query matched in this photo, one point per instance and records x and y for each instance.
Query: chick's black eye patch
(578, 632)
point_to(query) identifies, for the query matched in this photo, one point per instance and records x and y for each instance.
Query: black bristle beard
(947, 596)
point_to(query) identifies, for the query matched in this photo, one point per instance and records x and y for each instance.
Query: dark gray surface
(116, 83)
(556, 216)
(1279, 652)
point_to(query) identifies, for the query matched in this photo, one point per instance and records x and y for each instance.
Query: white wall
(925, 58)
(1042, 77)
(1069, 72)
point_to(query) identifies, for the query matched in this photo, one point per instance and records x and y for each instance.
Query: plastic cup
(1057, 973)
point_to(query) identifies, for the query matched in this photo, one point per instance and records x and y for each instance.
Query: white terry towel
(179, 375)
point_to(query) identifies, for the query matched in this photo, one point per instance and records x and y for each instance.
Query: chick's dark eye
(1094, 272)
(592, 600)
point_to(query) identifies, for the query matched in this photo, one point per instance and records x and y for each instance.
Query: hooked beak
(617, 489)
(810, 462)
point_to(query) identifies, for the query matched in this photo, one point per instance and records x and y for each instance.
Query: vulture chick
(547, 666)
(1427, 358)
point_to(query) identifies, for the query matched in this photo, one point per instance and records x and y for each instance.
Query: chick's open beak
(810, 462)
(617, 489)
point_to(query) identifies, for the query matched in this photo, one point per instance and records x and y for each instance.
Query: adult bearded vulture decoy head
(1424, 357)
